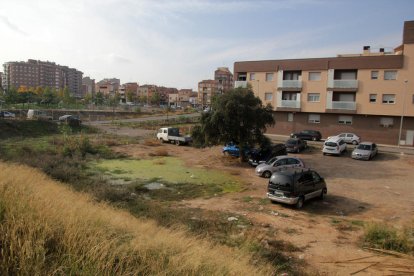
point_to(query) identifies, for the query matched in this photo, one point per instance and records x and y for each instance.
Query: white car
(7, 114)
(334, 145)
(350, 138)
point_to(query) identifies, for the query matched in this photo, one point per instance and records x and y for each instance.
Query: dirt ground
(380, 190)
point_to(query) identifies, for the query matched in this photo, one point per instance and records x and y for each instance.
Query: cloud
(118, 59)
(11, 26)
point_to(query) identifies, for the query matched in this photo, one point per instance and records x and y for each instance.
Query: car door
(279, 165)
(318, 185)
(374, 150)
(306, 185)
(292, 163)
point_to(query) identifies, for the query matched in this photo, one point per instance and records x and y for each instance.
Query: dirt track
(380, 190)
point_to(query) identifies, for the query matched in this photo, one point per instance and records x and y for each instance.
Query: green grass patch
(179, 181)
(387, 237)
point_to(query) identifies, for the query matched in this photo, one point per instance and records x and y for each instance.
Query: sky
(179, 43)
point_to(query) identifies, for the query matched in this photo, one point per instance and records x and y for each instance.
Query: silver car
(278, 163)
(365, 151)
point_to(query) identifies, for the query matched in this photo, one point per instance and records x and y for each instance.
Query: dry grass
(152, 143)
(45, 228)
(159, 152)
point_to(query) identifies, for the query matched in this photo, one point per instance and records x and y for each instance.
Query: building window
(388, 98)
(314, 76)
(313, 97)
(268, 96)
(374, 75)
(386, 122)
(290, 117)
(314, 118)
(269, 76)
(345, 120)
(252, 76)
(372, 98)
(390, 75)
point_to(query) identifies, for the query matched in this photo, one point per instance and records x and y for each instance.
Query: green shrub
(386, 237)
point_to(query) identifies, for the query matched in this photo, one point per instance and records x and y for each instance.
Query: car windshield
(271, 161)
(292, 142)
(364, 147)
(330, 144)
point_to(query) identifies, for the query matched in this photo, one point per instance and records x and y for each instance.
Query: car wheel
(177, 143)
(324, 153)
(267, 174)
(354, 142)
(299, 204)
(323, 193)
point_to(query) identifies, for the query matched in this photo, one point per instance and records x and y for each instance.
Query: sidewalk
(381, 147)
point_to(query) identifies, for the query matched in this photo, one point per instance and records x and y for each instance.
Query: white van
(334, 145)
(38, 114)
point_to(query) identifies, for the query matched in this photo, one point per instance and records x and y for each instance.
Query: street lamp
(403, 111)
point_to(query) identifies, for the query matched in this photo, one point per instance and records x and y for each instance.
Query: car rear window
(330, 144)
(282, 182)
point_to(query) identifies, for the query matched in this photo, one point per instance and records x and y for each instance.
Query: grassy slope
(26, 128)
(46, 228)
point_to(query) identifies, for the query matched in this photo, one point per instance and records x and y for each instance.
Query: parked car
(6, 114)
(70, 120)
(38, 114)
(365, 151)
(278, 163)
(350, 138)
(313, 135)
(334, 145)
(295, 186)
(295, 145)
(172, 135)
(232, 149)
(258, 156)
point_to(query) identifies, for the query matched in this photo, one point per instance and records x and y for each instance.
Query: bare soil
(328, 231)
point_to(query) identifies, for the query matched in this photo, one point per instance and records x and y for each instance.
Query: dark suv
(313, 135)
(295, 186)
(261, 155)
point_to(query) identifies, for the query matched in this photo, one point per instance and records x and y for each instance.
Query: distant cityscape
(32, 74)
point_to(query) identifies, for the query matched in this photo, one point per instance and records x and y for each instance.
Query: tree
(236, 116)
(99, 98)
(11, 96)
(155, 98)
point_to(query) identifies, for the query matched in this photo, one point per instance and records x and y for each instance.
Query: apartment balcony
(341, 106)
(287, 105)
(241, 84)
(290, 85)
(344, 85)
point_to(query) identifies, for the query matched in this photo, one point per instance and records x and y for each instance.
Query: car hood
(362, 152)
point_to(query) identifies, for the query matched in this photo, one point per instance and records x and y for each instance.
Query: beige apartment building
(34, 73)
(370, 94)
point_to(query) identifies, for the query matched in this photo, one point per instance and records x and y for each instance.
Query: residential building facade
(224, 79)
(207, 89)
(88, 86)
(370, 94)
(34, 73)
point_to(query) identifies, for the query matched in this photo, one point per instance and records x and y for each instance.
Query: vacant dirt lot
(328, 231)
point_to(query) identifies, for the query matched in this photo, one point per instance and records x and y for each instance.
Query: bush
(386, 237)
